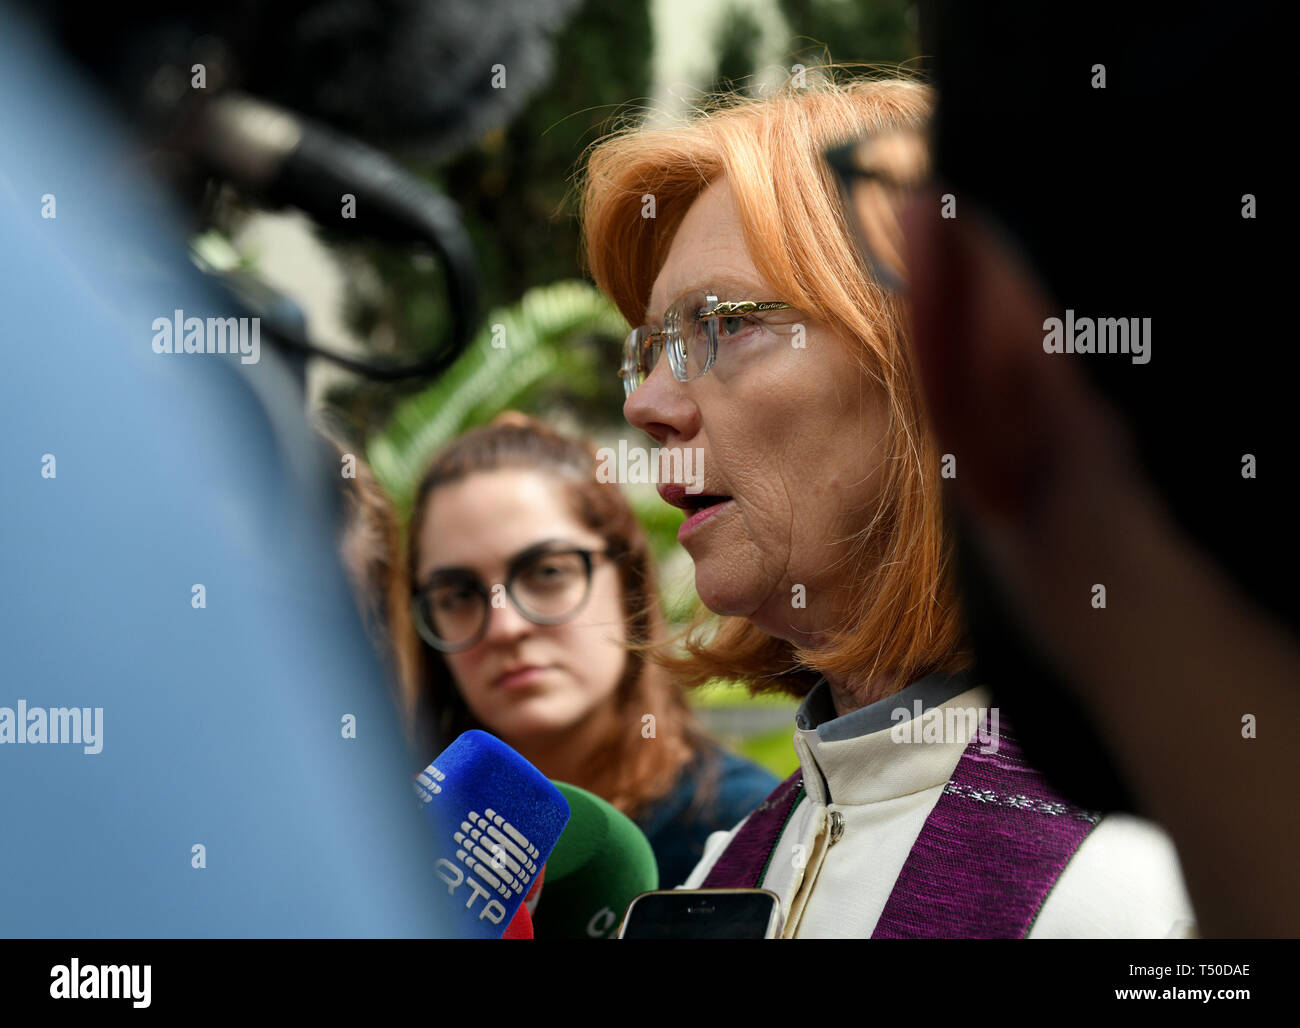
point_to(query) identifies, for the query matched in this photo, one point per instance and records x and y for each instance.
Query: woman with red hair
(818, 538)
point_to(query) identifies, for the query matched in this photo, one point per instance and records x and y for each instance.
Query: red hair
(904, 619)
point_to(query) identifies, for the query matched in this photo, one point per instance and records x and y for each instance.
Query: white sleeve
(1124, 882)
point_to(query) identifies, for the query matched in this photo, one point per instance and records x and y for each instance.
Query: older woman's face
(791, 433)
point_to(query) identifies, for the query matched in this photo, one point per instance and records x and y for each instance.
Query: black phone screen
(700, 914)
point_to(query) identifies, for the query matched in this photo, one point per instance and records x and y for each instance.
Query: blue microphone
(495, 820)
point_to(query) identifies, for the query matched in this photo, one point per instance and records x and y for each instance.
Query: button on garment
(885, 789)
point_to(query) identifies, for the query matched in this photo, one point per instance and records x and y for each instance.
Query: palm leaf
(535, 350)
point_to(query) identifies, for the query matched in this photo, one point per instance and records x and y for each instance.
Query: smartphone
(703, 914)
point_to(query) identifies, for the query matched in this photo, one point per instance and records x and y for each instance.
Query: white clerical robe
(868, 795)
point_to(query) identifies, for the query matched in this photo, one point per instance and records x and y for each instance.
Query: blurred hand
(1179, 656)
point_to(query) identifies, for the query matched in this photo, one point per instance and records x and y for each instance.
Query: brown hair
(633, 774)
(370, 547)
(904, 619)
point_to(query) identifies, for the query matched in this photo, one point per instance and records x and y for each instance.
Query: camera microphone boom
(342, 184)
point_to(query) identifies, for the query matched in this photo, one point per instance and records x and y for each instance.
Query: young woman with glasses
(531, 587)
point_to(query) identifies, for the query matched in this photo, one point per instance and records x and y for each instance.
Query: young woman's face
(524, 680)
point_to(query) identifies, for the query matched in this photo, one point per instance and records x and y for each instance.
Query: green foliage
(721, 693)
(735, 46)
(880, 32)
(773, 750)
(660, 522)
(543, 340)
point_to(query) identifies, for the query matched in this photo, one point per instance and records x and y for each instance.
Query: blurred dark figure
(410, 74)
(1112, 162)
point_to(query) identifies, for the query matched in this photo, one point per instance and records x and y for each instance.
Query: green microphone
(601, 861)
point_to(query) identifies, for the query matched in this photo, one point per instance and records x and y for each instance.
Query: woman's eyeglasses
(547, 585)
(877, 176)
(692, 327)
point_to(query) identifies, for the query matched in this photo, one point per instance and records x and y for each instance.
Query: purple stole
(987, 856)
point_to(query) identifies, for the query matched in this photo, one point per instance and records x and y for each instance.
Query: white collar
(858, 757)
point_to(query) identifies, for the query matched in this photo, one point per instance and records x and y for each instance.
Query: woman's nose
(660, 408)
(505, 623)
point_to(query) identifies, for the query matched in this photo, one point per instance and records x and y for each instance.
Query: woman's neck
(568, 755)
(852, 693)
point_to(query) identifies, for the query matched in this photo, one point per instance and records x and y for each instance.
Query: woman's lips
(520, 677)
(700, 505)
(691, 524)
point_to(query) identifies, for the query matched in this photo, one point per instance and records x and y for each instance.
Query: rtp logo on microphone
(498, 853)
(495, 820)
(426, 783)
(498, 858)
